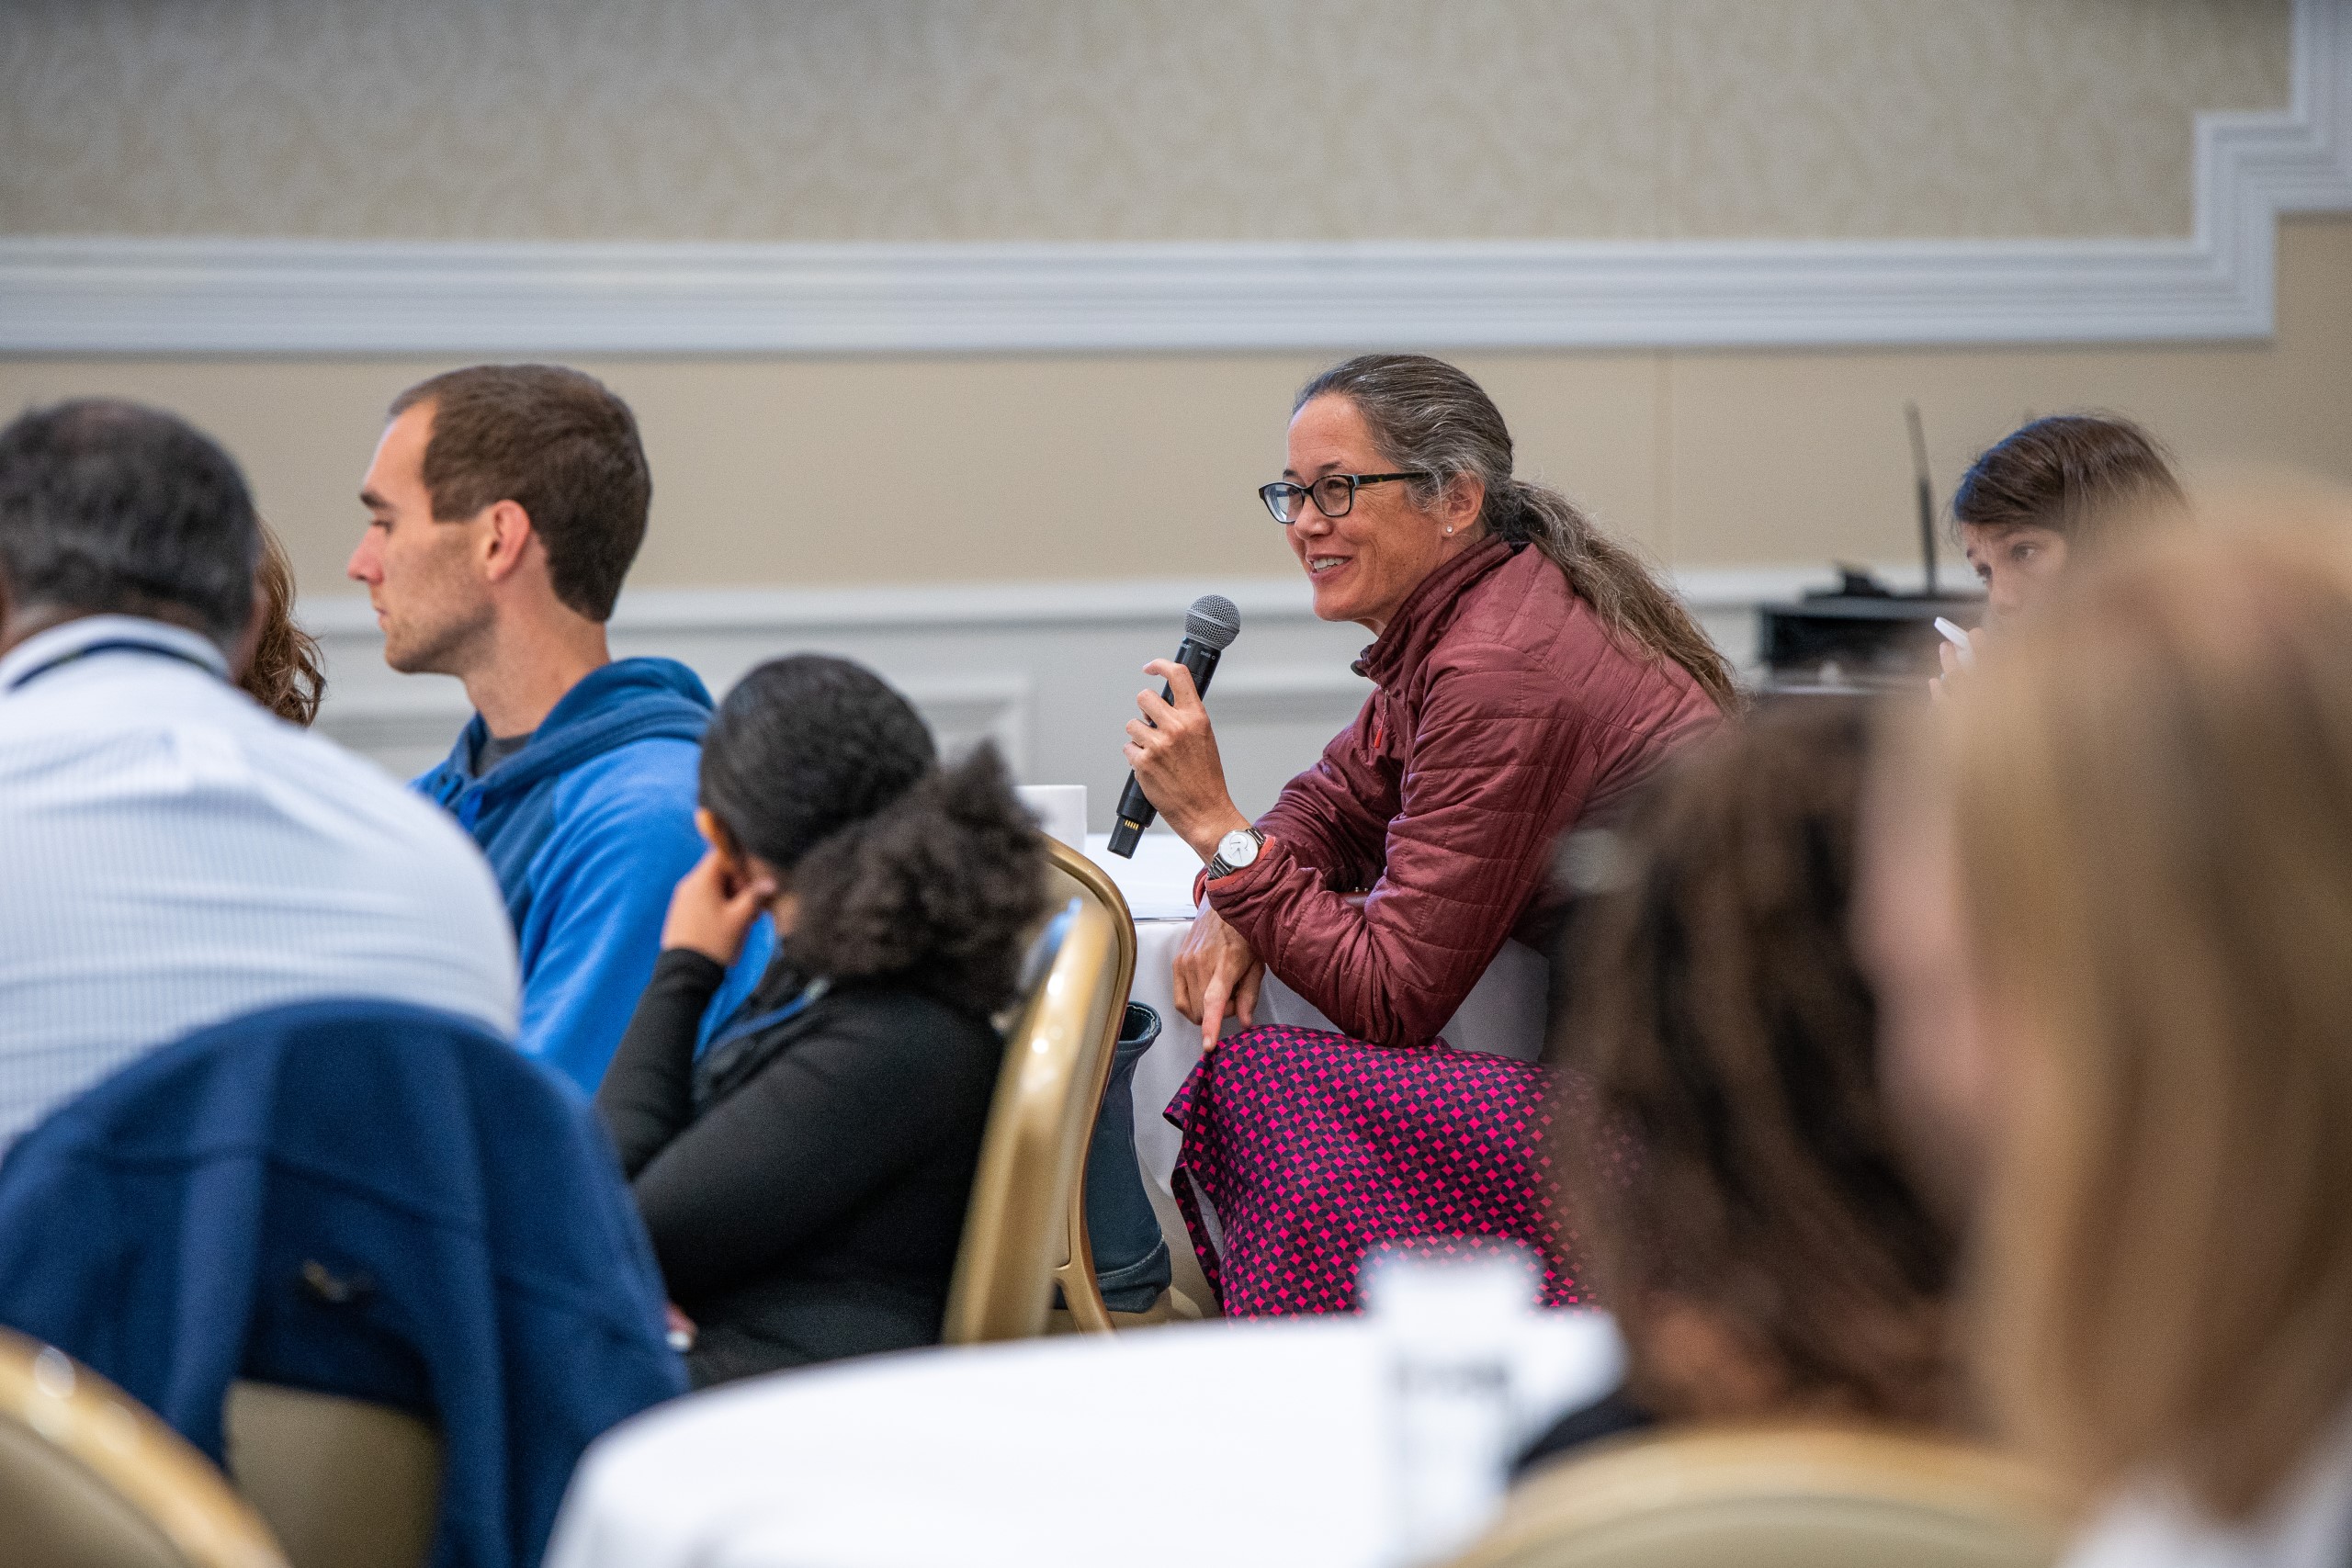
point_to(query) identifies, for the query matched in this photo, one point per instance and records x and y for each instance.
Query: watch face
(1238, 848)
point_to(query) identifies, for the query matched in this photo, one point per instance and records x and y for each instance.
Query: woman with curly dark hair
(804, 1180)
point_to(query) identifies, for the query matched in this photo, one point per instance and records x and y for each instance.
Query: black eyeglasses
(1335, 494)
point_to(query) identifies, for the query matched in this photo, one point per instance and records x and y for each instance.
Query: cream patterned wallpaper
(1118, 119)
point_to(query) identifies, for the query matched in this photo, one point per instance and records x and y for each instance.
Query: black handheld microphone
(1210, 626)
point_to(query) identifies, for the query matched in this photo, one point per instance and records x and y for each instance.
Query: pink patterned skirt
(1313, 1148)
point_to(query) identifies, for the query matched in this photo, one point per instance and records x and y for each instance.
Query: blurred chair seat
(90, 1479)
(343, 1483)
(1777, 1496)
(1025, 1231)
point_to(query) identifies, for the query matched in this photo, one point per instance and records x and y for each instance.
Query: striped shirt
(172, 855)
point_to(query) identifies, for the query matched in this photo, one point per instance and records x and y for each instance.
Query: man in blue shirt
(506, 505)
(172, 855)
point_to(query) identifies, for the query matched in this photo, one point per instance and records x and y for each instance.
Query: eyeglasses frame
(1355, 483)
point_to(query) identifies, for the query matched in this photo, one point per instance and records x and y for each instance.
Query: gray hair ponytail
(1429, 415)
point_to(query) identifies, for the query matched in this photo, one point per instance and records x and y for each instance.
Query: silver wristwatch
(1235, 850)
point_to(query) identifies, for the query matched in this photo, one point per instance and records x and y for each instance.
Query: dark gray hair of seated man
(109, 507)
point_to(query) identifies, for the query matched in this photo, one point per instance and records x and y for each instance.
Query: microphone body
(1135, 809)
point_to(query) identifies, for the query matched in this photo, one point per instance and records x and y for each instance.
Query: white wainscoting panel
(1049, 671)
(100, 295)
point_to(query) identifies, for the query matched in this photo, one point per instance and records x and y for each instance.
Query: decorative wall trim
(812, 613)
(137, 296)
(929, 606)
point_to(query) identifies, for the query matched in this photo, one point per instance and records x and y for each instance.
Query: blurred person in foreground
(2110, 907)
(1531, 672)
(805, 1179)
(505, 503)
(172, 855)
(2049, 496)
(1731, 1166)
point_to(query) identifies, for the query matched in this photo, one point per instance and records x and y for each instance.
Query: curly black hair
(905, 870)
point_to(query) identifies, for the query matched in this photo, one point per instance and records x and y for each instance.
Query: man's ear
(507, 539)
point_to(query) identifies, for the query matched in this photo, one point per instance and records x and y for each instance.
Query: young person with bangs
(2048, 497)
(805, 1179)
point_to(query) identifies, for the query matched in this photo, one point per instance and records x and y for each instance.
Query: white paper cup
(1060, 810)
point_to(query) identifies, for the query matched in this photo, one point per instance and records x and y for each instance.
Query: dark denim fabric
(1131, 1258)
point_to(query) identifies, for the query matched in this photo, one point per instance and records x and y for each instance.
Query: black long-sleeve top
(809, 1208)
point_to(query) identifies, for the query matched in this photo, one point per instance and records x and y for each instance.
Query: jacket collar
(1428, 610)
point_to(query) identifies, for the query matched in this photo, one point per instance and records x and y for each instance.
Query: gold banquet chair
(1025, 1231)
(89, 1478)
(1778, 1497)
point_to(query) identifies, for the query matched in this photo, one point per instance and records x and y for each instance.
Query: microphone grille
(1213, 622)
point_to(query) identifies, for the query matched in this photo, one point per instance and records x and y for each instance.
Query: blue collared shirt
(172, 855)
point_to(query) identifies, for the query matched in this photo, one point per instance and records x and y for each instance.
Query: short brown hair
(2153, 801)
(2071, 473)
(558, 443)
(1725, 1143)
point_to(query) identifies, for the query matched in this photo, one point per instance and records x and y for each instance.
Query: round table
(1503, 1015)
(1230, 1443)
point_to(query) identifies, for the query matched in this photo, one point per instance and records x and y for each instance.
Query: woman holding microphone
(1530, 674)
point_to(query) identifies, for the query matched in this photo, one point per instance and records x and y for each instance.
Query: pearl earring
(1449, 527)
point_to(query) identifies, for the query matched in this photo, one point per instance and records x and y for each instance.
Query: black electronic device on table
(1862, 636)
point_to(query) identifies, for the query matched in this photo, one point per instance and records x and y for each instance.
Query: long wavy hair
(288, 674)
(1430, 417)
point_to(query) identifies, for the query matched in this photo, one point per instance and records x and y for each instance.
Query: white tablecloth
(1503, 1015)
(1232, 1444)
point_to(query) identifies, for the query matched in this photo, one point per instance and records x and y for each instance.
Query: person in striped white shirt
(172, 855)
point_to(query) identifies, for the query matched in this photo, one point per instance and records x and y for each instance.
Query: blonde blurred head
(2151, 794)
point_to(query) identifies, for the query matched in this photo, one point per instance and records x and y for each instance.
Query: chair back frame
(1025, 1230)
(150, 1470)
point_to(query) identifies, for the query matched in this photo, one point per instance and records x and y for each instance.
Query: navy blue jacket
(362, 1198)
(589, 829)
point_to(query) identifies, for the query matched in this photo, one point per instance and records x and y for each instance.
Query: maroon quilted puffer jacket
(1504, 716)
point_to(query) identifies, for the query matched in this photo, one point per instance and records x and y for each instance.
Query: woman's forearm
(647, 1097)
(1380, 975)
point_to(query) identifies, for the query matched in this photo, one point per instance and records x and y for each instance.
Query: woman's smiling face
(1365, 565)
